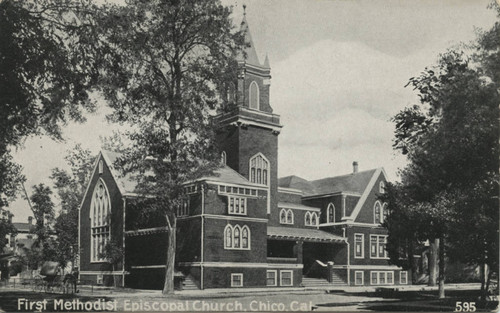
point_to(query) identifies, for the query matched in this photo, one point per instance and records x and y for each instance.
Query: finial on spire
(244, 9)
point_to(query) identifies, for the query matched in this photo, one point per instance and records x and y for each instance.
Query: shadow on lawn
(9, 300)
(418, 301)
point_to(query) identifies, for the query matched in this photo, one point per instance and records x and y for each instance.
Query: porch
(315, 251)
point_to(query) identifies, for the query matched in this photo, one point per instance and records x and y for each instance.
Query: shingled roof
(353, 183)
(128, 185)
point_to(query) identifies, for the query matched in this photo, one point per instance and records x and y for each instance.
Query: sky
(339, 70)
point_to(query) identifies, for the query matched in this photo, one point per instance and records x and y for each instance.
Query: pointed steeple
(266, 62)
(251, 53)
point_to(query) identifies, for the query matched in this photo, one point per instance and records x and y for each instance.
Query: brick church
(243, 226)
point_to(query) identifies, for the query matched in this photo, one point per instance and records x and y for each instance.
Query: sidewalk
(226, 292)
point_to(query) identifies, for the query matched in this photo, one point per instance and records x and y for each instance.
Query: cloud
(336, 100)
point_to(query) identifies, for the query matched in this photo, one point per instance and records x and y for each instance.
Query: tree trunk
(433, 258)
(488, 281)
(168, 287)
(442, 266)
(483, 281)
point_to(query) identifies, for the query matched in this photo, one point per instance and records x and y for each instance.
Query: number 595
(465, 306)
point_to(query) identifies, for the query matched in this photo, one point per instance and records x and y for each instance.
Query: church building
(243, 226)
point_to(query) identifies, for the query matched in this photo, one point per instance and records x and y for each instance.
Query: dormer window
(254, 96)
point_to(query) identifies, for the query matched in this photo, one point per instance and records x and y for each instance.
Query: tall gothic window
(331, 213)
(259, 169)
(223, 158)
(311, 219)
(254, 96)
(286, 216)
(100, 214)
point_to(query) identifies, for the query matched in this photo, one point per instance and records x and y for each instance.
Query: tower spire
(251, 53)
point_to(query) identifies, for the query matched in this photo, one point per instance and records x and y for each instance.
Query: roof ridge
(343, 175)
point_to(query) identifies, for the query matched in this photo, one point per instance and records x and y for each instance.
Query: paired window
(272, 278)
(403, 277)
(100, 213)
(236, 280)
(286, 216)
(237, 205)
(381, 277)
(183, 209)
(286, 278)
(377, 247)
(359, 246)
(359, 278)
(236, 237)
(311, 219)
(379, 212)
(254, 101)
(259, 170)
(330, 213)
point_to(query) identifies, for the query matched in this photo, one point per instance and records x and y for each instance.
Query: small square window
(237, 280)
(286, 278)
(271, 278)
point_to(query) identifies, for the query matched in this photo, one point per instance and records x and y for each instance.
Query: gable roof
(353, 183)
(23, 227)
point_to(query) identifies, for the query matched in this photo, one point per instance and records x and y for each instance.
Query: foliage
(451, 141)
(168, 65)
(48, 65)
(6, 229)
(70, 186)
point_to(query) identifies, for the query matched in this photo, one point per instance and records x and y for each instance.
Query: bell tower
(248, 134)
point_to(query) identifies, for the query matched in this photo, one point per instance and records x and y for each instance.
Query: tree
(113, 253)
(44, 248)
(48, 65)
(451, 141)
(70, 186)
(169, 63)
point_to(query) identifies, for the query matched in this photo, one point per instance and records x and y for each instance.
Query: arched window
(259, 169)
(381, 187)
(245, 237)
(314, 219)
(253, 98)
(236, 233)
(100, 213)
(228, 237)
(377, 213)
(384, 212)
(289, 217)
(308, 219)
(223, 158)
(330, 213)
(283, 216)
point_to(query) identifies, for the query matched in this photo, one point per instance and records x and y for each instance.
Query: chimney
(30, 220)
(354, 167)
